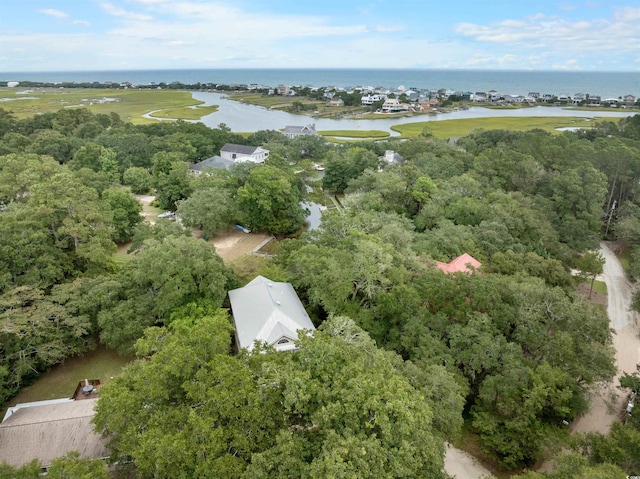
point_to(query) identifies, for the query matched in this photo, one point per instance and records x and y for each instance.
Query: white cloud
(81, 22)
(54, 13)
(121, 12)
(628, 14)
(597, 37)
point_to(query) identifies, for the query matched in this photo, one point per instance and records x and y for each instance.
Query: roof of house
(465, 263)
(265, 311)
(47, 431)
(241, 149)
(300, 130)
(215, 162)
(392, 157)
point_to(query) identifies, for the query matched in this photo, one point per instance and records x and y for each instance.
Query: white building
(244, 153)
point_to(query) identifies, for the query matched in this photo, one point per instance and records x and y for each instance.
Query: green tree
(211, 209)
(173, 185)
(73, 466)
(335, 408)
(590, 265)
(161, 277)
(270, 200)
(138, 178)
(36, 332)
(125, 213)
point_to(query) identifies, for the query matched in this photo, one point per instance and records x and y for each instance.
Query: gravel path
(626, 340)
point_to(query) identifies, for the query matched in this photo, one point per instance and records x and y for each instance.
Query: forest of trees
(405, 357)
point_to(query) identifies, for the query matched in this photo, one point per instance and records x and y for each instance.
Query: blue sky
(60, 35)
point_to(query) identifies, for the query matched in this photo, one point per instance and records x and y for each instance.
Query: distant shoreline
(605, 84)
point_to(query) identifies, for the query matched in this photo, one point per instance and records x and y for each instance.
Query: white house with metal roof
(244, 153)
(291, 131)
(268, 312)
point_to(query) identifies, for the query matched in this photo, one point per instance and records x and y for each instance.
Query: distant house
(629, 100)
(393, 105)
(268, 312)
(391, 157)
(244, 153)
(46, 430)
(465, 263)
(368, 100)
(595, 100)
(292, 132)
(210, 164)
(335, 102)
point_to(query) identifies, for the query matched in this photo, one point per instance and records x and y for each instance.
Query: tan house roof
(46, 432)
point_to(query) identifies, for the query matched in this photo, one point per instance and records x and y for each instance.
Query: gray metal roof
(241, 149)
(267, 311)
(300, 130)
(214, 163)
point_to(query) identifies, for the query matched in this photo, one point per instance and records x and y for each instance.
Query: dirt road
(462, 465)
(626, 340)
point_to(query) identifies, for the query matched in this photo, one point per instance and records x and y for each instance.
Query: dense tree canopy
(513, 347)
(339, 407)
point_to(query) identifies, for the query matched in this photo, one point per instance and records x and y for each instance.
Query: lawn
(600, 287)
(129, 104)
(61, 380)
(456, 128)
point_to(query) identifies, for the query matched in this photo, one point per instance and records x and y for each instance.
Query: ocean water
(605, 84)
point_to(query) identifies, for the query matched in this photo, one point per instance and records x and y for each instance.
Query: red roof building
(465, 263)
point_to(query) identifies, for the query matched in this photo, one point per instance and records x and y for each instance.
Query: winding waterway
(244, 117)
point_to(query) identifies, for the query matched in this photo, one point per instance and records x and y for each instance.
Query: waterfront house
(368, 100)
(268, 312)
(244, 153)
(393, 105)
(628, 100)
(336, 101)
(292, 132)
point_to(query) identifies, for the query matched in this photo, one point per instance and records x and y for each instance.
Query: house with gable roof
(268, 312)
(244, 153)
(46, 430)
(465, 263)
(210, 164)
(292, 132)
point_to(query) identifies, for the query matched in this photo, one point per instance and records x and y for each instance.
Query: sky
(85, 35)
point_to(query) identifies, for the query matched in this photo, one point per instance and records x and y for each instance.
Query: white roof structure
(268, 312)
(48, 430)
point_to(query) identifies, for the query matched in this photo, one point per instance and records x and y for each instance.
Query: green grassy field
(129, 104)
(61, 380)
(448, 128)
(600, 287)
(186, 113)
(355, 133)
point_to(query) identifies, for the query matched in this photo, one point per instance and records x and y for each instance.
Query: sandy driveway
(233, 244)
(626, 340)
(462, 465)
